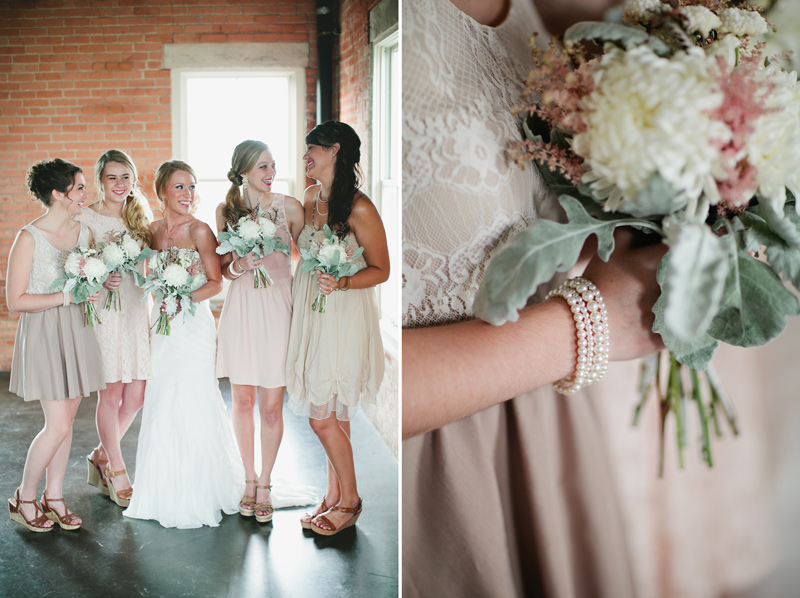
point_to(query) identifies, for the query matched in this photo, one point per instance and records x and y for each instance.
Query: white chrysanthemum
(726, 48)
(249, 230)
(700, 20)
(94, 269)
(170, 305)
(113, 253)
(741, 22)
(642, 12)
(328, 254)
(131, 247)
(175, 276)
(774, 146)
(268, 228)
(72, 265)
(650, 115)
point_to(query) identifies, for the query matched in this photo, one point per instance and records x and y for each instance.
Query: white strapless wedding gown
(188, 470)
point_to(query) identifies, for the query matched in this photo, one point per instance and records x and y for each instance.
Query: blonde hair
(136, 212)
(163, 174)
(245, 157)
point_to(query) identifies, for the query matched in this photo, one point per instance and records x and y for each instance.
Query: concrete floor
(115, 556)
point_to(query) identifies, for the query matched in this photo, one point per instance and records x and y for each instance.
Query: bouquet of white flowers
(255, 232)
(681, 129)
(122, 253)
(173, 277)
(84, 275)
(330, 255)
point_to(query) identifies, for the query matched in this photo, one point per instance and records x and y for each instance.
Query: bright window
(386, 169)
(216, 110)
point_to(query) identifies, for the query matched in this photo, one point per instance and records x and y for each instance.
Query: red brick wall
(78, 77)
(353, 74)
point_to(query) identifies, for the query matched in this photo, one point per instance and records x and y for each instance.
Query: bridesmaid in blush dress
(254, 324)
(56, 357)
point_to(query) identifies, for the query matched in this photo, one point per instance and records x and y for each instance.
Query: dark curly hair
(347, 171)
(48, 175)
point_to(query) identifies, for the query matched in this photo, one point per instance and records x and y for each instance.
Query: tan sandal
(95, 477)
(246, 504)
(309, 516)
(69, 521)
(37, 524)
(265, 507)
(334, 530)
(123, 497)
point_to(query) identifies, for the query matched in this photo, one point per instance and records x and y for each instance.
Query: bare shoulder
(291, 203)
(310, 193)
(363, 206)
(200, 230)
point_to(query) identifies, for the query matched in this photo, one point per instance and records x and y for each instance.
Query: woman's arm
(226, 259)
(206, 244)
(452, 371)
(20, 262)
(295, 217)
(368, 228)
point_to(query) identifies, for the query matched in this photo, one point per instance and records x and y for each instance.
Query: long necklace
(315, 211)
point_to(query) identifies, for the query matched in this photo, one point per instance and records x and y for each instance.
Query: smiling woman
(56, 358)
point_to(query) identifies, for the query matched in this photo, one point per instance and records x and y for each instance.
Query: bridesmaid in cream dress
(124, 335)
(254, 324)
(508, 488)
(336, 358)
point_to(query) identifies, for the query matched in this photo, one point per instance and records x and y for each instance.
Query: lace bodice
(47, 263)
(463, 197)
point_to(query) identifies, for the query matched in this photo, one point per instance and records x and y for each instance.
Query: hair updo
(51, 175)
(347, 171)
(245, 157)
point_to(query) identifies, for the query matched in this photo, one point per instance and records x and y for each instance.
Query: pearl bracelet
(591, 333)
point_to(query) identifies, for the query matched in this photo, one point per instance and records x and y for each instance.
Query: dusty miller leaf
(694, 281)
(754, 306)
(696, 354)
(536, 254)
(624, 36)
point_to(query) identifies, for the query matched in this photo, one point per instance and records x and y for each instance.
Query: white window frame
(381, 166)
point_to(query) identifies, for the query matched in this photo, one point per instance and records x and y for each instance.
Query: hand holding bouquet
(330, 255)
(174, 275)
(683, 130)
(84, 275)
(255, 232)
(121, 254)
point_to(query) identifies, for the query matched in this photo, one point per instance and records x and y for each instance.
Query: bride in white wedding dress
(188, 470)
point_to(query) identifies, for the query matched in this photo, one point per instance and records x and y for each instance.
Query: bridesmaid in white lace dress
(336, 358)
(124, 335)
(507, 496)
(56, 358)
(254, 323)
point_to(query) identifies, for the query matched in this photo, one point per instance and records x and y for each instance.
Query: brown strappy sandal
(95, 476)
(246, 504)
(265, 507)
(69, 521)
(334, 530)
(35, 525)
(123, 497)
(307, 524)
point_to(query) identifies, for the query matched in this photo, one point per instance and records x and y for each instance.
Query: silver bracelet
(232, 271)
(591, 333)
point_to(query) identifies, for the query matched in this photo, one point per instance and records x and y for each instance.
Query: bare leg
(244, 400)
(337, 447)
(333, 491)
(116, 409)
(270, 409)
(45, 448)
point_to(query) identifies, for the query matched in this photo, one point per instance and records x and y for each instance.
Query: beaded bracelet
(591, 333)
